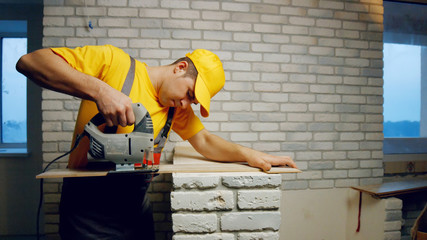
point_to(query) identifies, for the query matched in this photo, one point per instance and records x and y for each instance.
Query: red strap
(360, 211)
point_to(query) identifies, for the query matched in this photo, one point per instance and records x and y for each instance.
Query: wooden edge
(390, 189)
(169, 168)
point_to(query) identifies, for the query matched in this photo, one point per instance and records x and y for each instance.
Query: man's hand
(115, 106)
(265, 161)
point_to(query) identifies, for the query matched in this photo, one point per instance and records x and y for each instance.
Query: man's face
(178, 92)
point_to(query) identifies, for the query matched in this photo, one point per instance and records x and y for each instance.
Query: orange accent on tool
(156, 157)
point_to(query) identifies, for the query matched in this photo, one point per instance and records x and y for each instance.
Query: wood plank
(186, 160)
(168, 168)
(390, 189)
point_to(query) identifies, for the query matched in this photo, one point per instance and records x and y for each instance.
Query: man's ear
(181, 67)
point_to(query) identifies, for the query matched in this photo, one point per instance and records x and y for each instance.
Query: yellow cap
(210, 78)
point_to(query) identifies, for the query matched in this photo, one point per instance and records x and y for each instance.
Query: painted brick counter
(226, 205)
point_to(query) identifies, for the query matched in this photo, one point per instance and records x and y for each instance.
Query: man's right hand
(115, 106)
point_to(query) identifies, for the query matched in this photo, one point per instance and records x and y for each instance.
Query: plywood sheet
(186, 160)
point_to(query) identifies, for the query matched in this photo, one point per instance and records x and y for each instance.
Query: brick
(272, 117)
(264, 127)
(341, 183)
(393, 235)
(250, 221)
(295, 185)
(393, 203)
(321, 184)
(320, 13)
(252, 180)
(244, 137)
(194, 223)
(320, 165)
(120, 32)
(274, 19)
(321, 145)
(91, 11)
(213, 236)
(235, 127)
(153, 13)
(56, 115)
(58, 11)
(329, 23)
(309, 175)
(185, 14)
(265, 107)
(393, 215)
(304, 3)
(264, 8)
(236, 7)
(360, 173)
(304, 40)
(243, 117)
(123, 12)
(258, 199)
(259, 235)
(304, 21)
(206, 5)
(294, 146)
(58, 31)
(292, 10)
(346, 164)
(179, 24)
(273, 136)
(202, 201)
(245, 17)
(144, 43)
(335, 174)
(112, 3)
(217, 35)
(237, 26)
(392, 226)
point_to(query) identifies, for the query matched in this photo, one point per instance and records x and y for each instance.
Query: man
(96, 74)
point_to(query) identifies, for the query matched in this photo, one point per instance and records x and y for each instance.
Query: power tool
(128, 151)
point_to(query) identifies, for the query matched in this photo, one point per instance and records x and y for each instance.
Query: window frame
(13, 149)
(398, 148)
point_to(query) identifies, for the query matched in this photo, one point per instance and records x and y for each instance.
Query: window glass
(14, 92)
(402, 90)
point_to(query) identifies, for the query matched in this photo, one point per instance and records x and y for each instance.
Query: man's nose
(185, 103)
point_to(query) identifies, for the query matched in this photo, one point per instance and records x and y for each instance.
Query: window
(13, 128)
(405, 78)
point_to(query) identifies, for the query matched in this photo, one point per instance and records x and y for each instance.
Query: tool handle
(138, 110)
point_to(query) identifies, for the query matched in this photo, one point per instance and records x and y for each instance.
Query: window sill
(14, 152)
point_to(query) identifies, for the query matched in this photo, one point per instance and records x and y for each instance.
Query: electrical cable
(78, 138)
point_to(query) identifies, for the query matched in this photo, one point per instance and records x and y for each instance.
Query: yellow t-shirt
(111, 65)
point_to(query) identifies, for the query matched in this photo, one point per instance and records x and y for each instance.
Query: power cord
(78, 138)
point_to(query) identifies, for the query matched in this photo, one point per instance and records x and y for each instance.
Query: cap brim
(202, 95)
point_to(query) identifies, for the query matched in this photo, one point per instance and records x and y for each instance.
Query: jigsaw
(128, 151)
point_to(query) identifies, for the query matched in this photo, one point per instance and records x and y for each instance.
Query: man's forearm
(216, 148)
(51, 71)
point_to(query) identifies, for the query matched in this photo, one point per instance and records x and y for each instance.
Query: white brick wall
(216, 206)
(304, 78)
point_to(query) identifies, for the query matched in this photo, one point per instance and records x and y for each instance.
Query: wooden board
(186, 160)
(390, 189)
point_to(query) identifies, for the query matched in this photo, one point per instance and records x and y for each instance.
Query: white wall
(330, 214)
